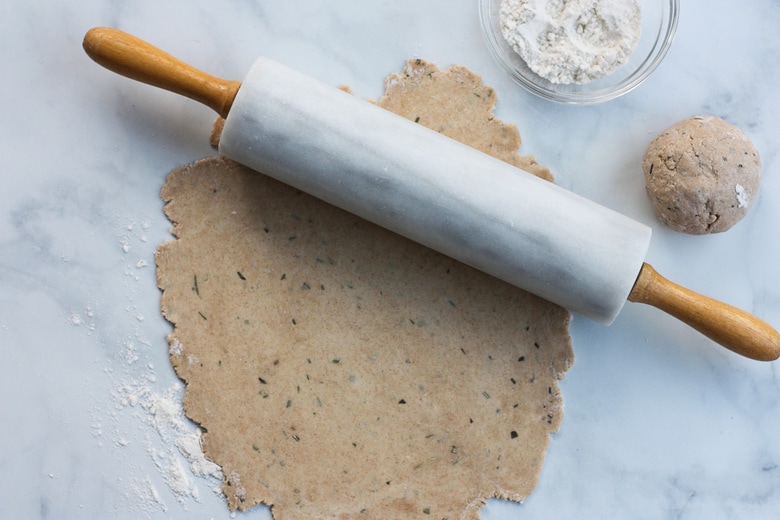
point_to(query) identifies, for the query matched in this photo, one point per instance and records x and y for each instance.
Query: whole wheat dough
(702, 175)
(341, 371)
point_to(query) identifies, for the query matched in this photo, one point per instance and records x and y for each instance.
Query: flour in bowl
(571, 41)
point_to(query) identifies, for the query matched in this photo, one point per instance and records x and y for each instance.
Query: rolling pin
(434, 190)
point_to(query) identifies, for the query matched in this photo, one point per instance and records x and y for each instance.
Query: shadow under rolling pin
(435, 191)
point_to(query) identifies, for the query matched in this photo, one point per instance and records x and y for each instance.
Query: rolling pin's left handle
(134, 58)
(733, 328)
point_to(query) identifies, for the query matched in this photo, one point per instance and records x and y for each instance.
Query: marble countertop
(659, 422)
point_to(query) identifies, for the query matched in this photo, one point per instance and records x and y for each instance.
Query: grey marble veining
(659, 423)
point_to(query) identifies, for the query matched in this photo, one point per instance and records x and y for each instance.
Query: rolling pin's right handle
(134, 58)
(733, 328)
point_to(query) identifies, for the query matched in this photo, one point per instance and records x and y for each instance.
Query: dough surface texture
(702, 175)
(341, 371)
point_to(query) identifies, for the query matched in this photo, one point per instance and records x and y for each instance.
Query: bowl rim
(657, 53)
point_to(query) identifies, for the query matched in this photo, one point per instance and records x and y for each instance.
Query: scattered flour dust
(167, 415)
(85, 317)
(571, 41)
(178, 458)
(158, 426)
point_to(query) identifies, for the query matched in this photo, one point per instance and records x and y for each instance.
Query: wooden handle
(733, 328)
(134, 58)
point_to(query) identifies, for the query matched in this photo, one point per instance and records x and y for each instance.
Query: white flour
(571, 41)
(181, 457)
(743, 198)
(158, 428)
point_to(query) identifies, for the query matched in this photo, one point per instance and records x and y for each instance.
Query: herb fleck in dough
(339, 370)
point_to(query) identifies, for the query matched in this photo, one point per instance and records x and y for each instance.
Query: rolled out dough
(341, 371)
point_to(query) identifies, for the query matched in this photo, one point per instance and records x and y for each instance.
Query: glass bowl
(659, 23)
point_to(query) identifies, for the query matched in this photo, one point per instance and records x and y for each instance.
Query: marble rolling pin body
(435, 191)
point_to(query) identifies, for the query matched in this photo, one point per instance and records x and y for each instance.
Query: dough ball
(702, 175)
